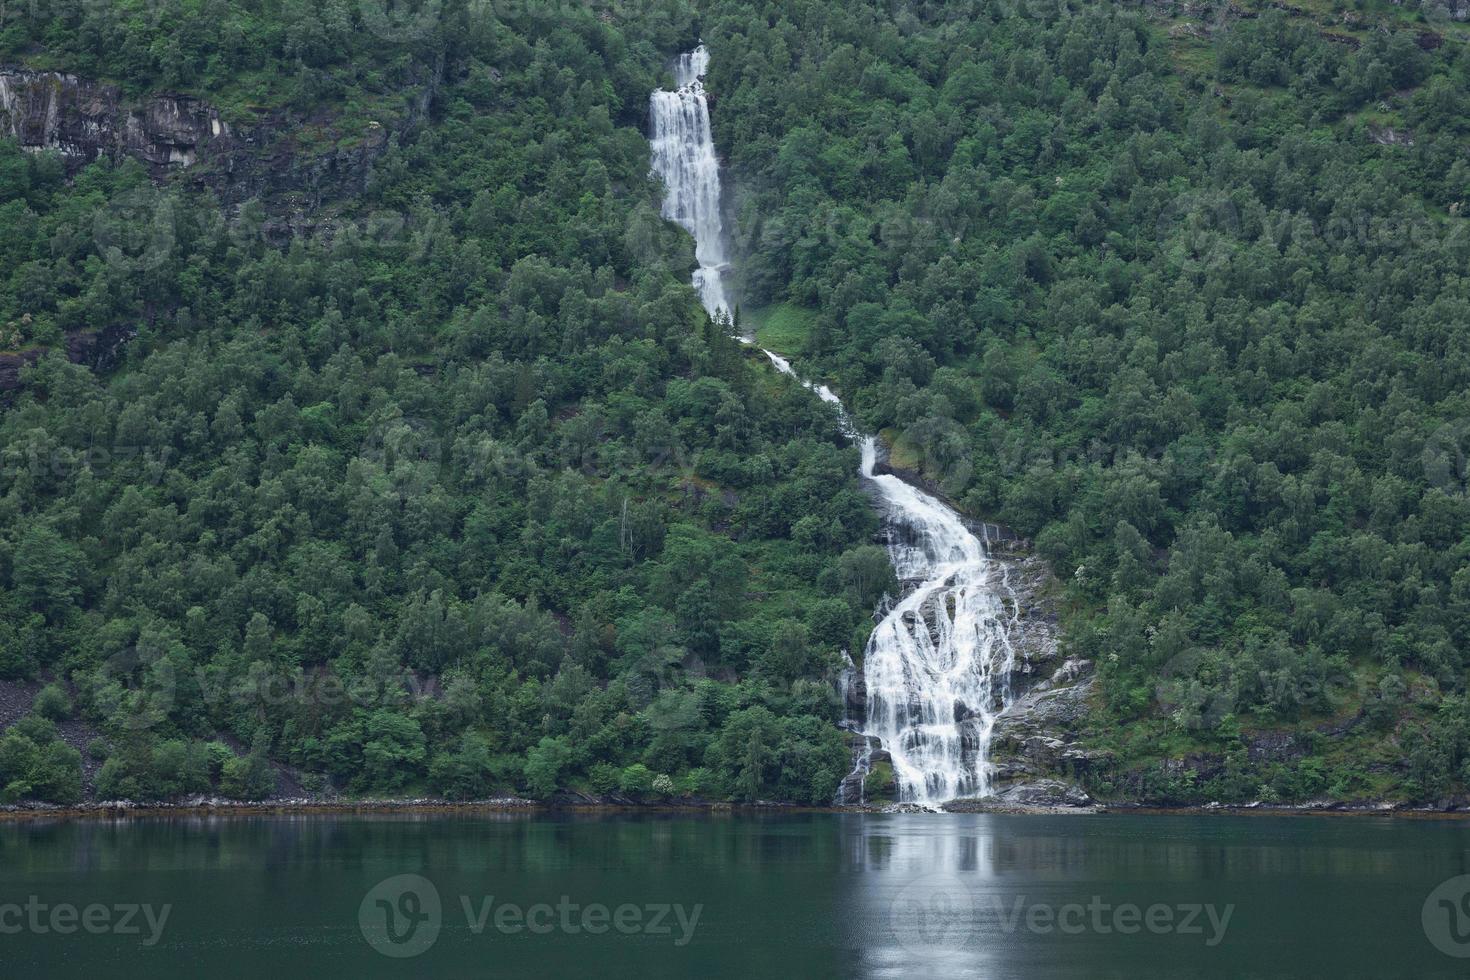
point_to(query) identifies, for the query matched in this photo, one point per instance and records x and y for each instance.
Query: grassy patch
(902, 453)
(878, 785)
(781, 327)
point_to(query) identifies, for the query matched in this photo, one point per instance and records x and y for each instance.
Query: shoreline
(126, 809)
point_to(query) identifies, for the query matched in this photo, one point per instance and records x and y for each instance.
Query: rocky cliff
(290, 164)
(1035, 748)
(84, 120)
(181, 137)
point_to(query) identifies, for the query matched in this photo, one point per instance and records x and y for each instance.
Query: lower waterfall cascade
(937, 666)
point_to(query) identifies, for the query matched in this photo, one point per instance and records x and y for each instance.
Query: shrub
(52, 703)
(605, 777)
(636, 780)
(248, 777)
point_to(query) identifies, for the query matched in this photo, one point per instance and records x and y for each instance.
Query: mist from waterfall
(937, 665)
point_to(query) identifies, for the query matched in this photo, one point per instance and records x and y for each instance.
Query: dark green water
(809, 895)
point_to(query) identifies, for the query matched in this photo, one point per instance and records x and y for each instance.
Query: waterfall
(937, 666)
(684, 156)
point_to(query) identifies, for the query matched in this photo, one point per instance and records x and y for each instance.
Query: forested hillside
(444, 483)
(457, 492)
(1181, 292)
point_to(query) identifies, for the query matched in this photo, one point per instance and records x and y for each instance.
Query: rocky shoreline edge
(576, 803)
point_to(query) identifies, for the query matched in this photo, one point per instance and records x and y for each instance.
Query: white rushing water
(684, 156)
(937, 666)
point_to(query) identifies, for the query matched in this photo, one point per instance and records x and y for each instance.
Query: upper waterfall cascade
(937, 665)
(684, 156)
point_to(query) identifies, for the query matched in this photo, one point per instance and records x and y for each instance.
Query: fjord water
(797, 895)
(936, 666)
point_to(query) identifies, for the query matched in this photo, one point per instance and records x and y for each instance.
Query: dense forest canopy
(454, 488)
(1183, 294)
(460, 492)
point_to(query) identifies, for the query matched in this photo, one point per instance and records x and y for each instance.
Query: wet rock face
(176, 135)
(1038, 734)
(1038, 793)
(98, 349)
(1035, 745)
(85, 120)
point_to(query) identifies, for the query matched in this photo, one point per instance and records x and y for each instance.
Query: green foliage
(36, 765)
(471, 772)
(802, 759)
(878, 784)
(1194, 324)
(52, 702)
(248, 777)
(782, 327)
(455, 491)
(545, 764)
(636, 781)
(459, 490)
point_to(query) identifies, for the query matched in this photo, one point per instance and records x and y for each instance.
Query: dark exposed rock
(11, 364)
(16, 700)
(1052, 794)
(99, 350)
(85, 120)
(1389, 136)
(1273, 747)
(181, 138)
(858, 787)
(174, 135)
